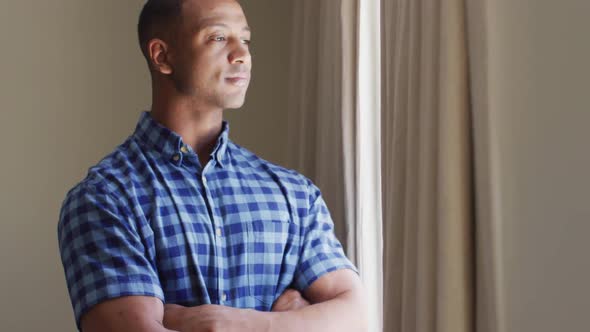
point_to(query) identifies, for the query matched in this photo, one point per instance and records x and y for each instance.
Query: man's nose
(240, 53)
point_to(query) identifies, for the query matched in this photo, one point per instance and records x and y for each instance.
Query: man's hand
(291, 299)
(212, 318)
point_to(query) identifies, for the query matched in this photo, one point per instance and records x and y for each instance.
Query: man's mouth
(238, 80)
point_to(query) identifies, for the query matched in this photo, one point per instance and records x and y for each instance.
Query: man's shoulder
(248, 161)
(111, 174)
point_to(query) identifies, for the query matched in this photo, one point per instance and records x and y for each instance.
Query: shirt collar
(169, 144)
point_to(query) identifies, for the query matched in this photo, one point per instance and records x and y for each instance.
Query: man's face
(211, 60)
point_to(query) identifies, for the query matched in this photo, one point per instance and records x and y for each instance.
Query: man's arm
(337, 305)
(146, 314)
(126, 314)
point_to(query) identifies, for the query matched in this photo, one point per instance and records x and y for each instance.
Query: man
(181, 229)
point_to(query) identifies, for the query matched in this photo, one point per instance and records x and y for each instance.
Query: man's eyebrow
(222, 25)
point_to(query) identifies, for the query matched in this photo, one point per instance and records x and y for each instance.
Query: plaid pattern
(148, 221)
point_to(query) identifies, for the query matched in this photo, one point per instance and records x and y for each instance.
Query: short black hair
(157, 18)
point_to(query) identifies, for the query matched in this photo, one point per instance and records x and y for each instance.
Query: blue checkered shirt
(149, 220)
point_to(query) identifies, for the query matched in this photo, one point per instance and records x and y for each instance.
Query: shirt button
(184, 149)
(176, 157)
(218, 231)
(224, 297)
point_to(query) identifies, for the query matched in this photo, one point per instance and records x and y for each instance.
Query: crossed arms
(336, 303)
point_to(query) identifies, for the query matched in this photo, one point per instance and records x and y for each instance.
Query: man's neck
(198, 127)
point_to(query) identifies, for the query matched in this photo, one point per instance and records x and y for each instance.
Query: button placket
(218, 238)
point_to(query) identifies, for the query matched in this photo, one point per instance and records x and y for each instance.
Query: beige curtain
(322, 106)
(331, 127)
(437, 198)
(440, 249)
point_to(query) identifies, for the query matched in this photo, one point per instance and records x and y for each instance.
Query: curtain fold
(437, 200)
(489, 276)
(322, 106)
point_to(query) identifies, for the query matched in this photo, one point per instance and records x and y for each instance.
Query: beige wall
(73, 85)
(540, 83)
(261, 125)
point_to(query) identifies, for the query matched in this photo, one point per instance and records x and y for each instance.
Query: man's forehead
(201, 10)
(200, 14)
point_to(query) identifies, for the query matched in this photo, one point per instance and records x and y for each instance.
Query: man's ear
(159, 56)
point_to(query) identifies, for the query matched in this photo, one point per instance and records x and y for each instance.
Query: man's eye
(246, 41)
(219, 38)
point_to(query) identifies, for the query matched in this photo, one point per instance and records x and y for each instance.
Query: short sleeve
(321, 252)
(102, 253)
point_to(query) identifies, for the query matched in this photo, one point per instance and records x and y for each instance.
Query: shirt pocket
(265, 250)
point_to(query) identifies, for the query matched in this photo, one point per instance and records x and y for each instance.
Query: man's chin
(233, 104)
